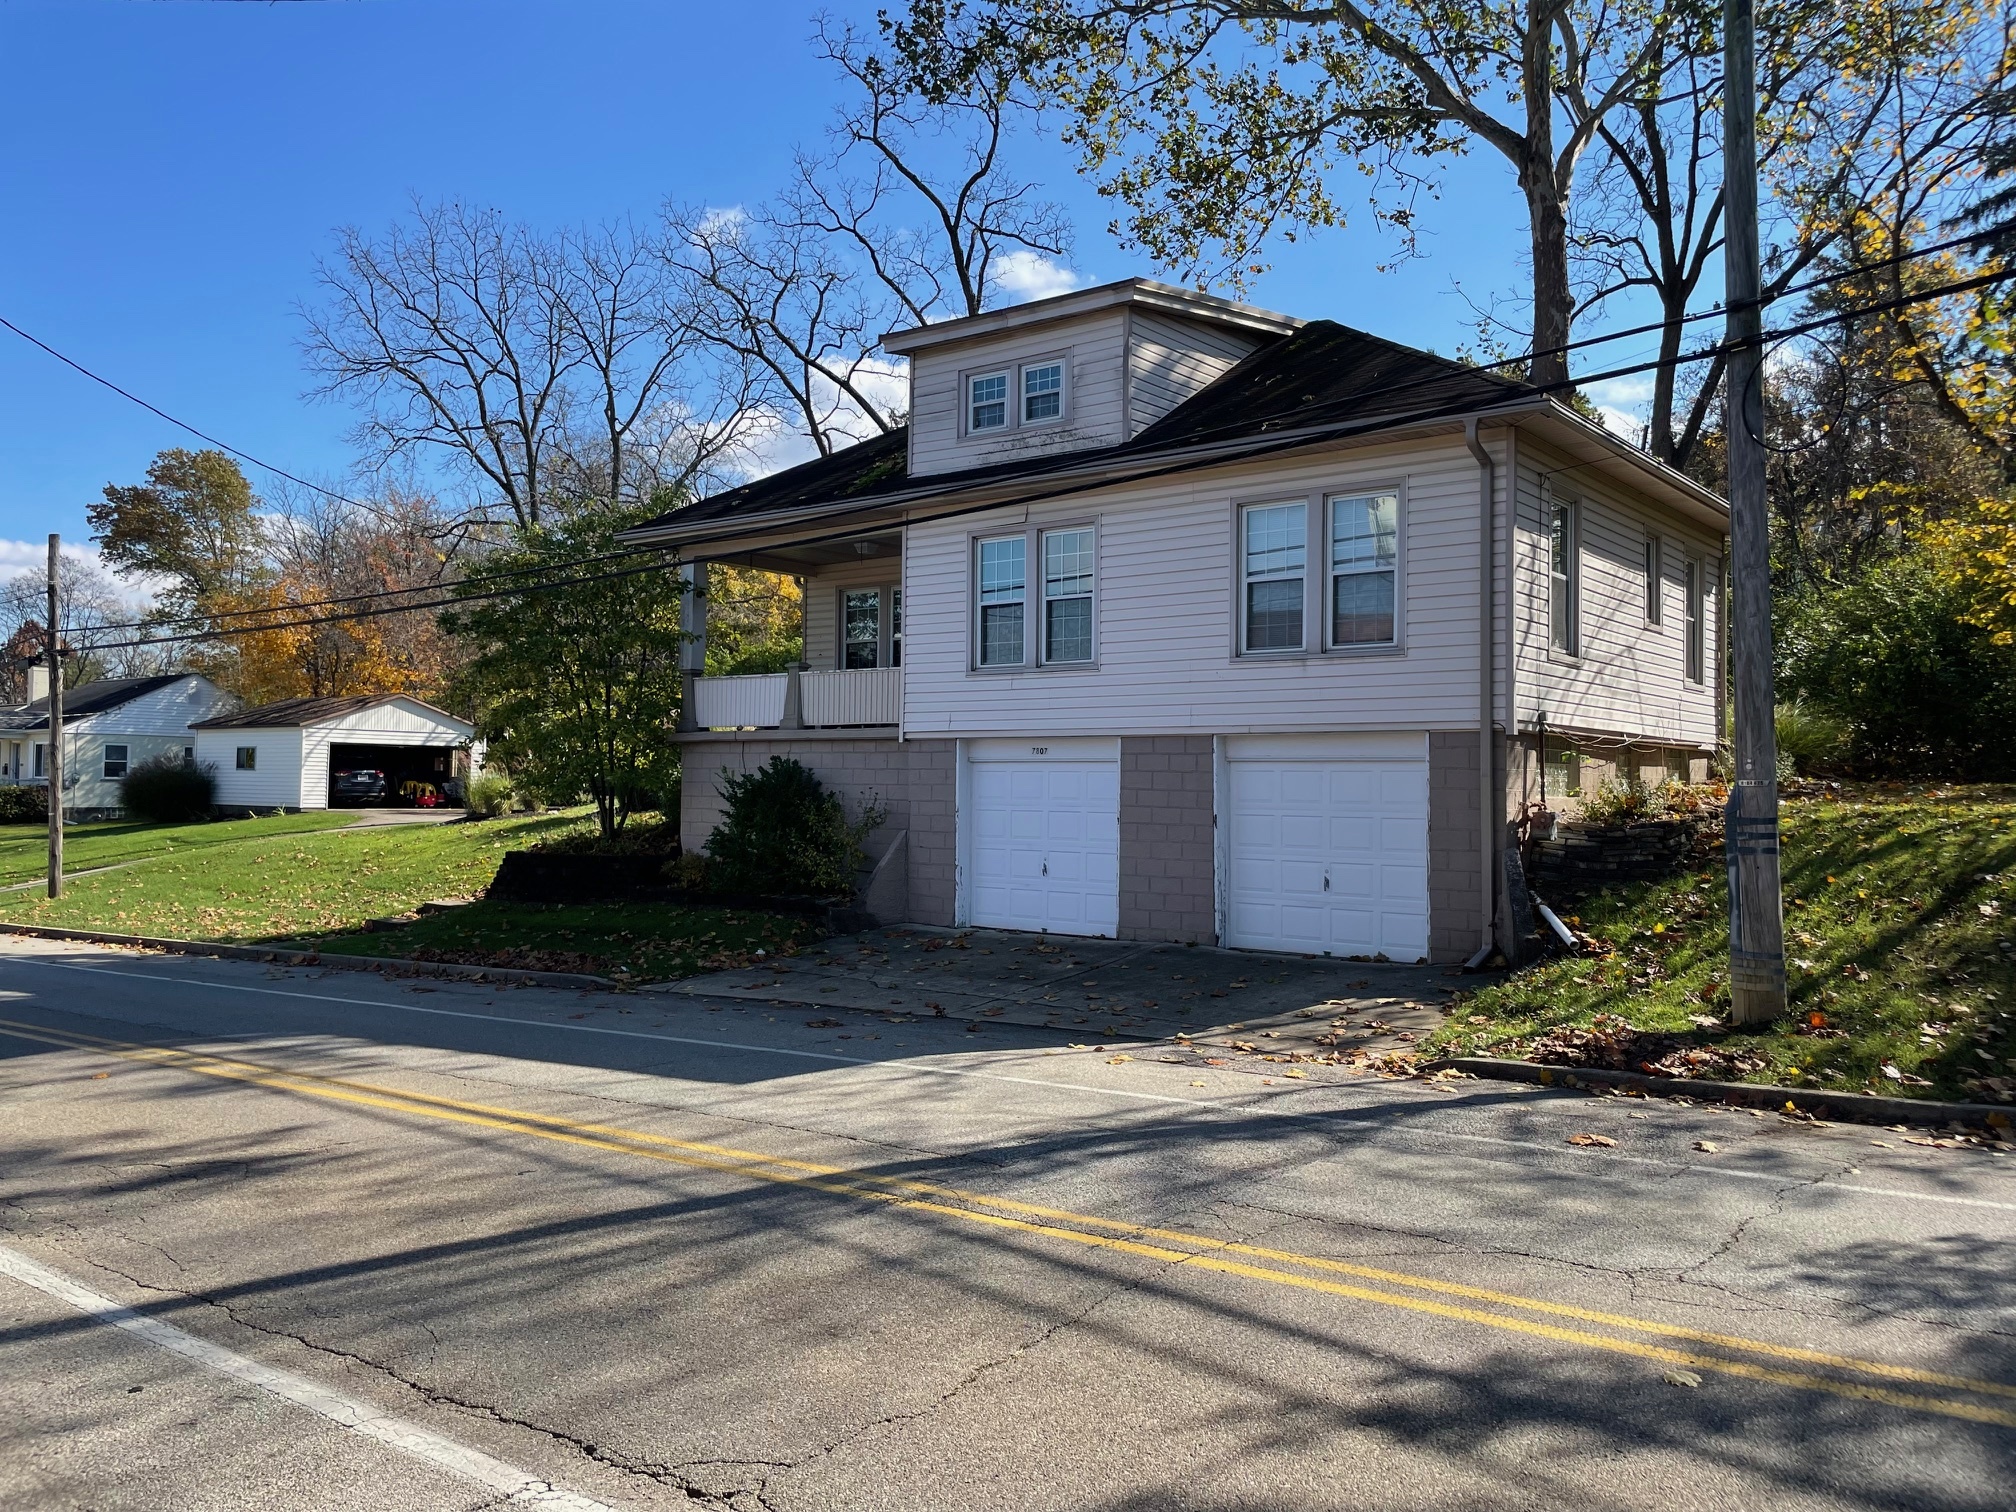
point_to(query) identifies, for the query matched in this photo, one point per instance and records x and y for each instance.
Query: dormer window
(987, 402)
(1042, 392)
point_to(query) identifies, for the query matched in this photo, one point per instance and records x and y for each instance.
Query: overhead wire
(1700, 354)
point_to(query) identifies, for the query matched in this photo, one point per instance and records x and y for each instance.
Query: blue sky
(172, 170)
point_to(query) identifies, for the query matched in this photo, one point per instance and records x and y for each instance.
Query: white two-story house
(1170, 618)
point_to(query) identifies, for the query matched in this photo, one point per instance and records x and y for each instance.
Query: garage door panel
(1050, 831)
(1359, 825)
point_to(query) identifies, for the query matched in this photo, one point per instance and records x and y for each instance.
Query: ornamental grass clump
(785, 835)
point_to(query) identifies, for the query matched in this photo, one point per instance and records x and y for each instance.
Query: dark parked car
(363, 785)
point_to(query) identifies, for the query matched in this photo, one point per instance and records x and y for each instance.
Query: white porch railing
(735, 703)
(823, 700)
(863, 696)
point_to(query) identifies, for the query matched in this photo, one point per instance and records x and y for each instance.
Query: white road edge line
(1222, 1110)
(345, 1411)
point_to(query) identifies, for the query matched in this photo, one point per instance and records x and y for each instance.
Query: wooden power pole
(53, 767)
(1756, 916)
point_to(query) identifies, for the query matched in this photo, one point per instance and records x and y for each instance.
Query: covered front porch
(799, 699)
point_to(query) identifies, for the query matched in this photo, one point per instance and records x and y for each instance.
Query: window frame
(1655, 581)
(888, 626)
(1242, 577)
(1040, 582)
(245, 759)
(967, 403)
(1694, 638)
(41, 759)
(107, 761)
(1327, 608)
(1014, 403)
(1564, 619)
(976, 659)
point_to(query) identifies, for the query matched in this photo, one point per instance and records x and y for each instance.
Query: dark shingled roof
(1322, 374)
(87, 698)
(289, 713)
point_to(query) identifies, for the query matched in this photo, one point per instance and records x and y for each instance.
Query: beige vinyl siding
(1173, 359)
(1164, 613)
(1629, 678)
(1095, 350)
(822, 603)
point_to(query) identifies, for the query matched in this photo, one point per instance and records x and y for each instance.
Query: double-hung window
(1655, 609)
(1004, 588)
(115, 761)
(1274, 553)
(1364, 569)
(1564, 579)
(41, 759)
(987, 402)
(1697, 639)
(1068, 572)
(1042, 392)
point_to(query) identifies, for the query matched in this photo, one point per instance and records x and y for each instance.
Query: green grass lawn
(1900, 931)
(643, 941)
(24, 849)
(269, 879)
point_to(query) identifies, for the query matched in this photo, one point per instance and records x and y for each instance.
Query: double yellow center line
(1665, 1343)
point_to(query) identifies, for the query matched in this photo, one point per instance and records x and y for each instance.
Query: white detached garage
(281, 755)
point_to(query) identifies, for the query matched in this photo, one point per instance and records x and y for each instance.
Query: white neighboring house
(282, 755)
(1170, 618)
(109, 727)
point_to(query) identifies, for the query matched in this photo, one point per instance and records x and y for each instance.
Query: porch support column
(693, 642)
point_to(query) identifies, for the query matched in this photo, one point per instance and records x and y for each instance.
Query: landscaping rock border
(1843, 1107)
(273, 955)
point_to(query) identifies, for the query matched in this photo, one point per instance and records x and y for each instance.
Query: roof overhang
(1604, 453)
(1140, 293)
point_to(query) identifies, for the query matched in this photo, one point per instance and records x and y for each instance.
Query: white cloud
(1623, 404)
(1024, 275)
(31, 558)
(776, 442)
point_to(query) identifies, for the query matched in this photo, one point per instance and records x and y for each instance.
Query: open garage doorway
(395, 776)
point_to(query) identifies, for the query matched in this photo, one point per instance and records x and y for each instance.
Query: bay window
(1364, 569)
(1274, 552)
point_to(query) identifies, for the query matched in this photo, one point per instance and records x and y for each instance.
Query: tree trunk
(1553, 304)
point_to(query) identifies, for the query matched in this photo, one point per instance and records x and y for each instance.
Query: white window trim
(1033, 597)
(1040, 581)
(1311, 507)
(105, 760)
(1694, 622)
(885, 632)
(1022, 372)
(1013, 372)
(238, 761)
(1572, 652)
(1324, 618)
(973, 544)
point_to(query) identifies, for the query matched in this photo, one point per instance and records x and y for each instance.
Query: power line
(1700, 354)
(152, 409)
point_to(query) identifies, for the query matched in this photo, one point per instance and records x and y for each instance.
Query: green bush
(785, 835)
(168, 790)
(1810, 740)
(1922, 693)
(489, 794)
(24, 805)
(1629, 800)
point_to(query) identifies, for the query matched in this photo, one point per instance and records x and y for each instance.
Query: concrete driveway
(1116, 988)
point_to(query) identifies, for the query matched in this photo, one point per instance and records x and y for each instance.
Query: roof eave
(1144, 292)
(1668, 484)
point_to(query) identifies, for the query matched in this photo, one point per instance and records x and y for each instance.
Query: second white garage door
(1327, 847)
(1043, 836)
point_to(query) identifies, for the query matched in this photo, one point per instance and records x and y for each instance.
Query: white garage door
(1328, 845)
(1043, 842)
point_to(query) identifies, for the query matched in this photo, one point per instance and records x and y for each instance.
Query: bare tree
(909, 213)
(94, 608)
(532, 364)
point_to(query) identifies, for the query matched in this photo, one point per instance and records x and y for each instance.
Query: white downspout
(1487, 572)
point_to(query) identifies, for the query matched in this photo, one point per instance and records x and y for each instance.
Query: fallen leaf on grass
(1602, 1140)
(1685, 1378)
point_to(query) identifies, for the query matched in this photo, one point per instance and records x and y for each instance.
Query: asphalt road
(279, 1239)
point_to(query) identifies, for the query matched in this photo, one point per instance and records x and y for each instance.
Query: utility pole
(1756, 915)
(54, 765)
